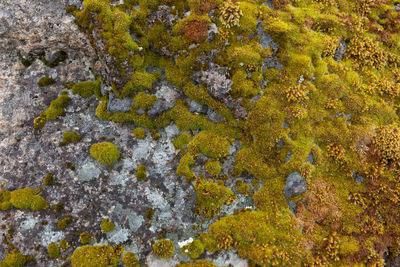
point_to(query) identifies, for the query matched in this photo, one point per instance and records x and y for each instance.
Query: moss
(86, 89)
(105, 153)
(27, 198)
(63, 244)
(107, 226)
(199, 263)
(53, 250)
(149, 213)
(155, 135)
(48, 180)
(211, 197)
(145, 101)
(5, 197)
(15, 259)
(140, 81)
(56, 109)
(129, 260)
(210, 145)
(164, 248)
(85, 238)
(70, 166)
(194, 249)
(141, 173)
(45, 81)
(62, 56)
(102, 256)
(243, 188)
(63, 223)
(213, 168)
(182, 140)
(139, 133)
(184, 167)
(70, 137)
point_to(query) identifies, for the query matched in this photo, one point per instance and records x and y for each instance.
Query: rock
(295, 185)
(265, 39)
(340, 51)
(358, 178)
(214, 117)
(88, 172)
(196, 107)
(116, 104)
(310, 158)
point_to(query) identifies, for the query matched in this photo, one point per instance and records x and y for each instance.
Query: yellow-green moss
(210, 145)
(141, 173)
(63, 244)
(194, 249)
(129, 260)
(107, 226)
(213, 168)
(181, 140)
(184, 167)
(164, 248)
(139, 133)
(45, 81)
(199, 263)
(27, 198)
(102, 256)
(85, 238)
(211, 197)
(14, 259)
(87, 88)
(105, 153)
(70, 137)
(243, 188)
(63, 223)
(53, 250)
(144, 101)
(48, 180)
(5, 197)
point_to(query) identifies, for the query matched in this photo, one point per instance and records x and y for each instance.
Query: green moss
(45, 81)
(27, 198)
(144, 101)
(5, 197)
(62, 56)
(48, 180)
(107, 226)
(213, 168)
(164, 248)
(140, 81)
(139, 133)
(15, 259)
(194, 249)
(182, 140)
(243, 188)
(63, 223)
(211, 197)
(184, 167)
(105, 153)
(155, 135)
(129, 260)
(70, 137)
(87, 89)
(149, 213)
(56, 109)
(141, 173)
(210, 145)
(63, 244)
(102, 256)
(53, 250)
(199, 263)
(85, 238)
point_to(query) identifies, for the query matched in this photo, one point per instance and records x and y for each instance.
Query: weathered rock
(116, 104)
(295, 185)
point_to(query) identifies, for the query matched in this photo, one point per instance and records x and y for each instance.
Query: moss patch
(105, 153)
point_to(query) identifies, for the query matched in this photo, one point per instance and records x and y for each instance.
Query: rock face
(295, 185)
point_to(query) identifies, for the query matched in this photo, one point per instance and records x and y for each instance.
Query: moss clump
(14, 259)
(107, 226)
(194, 249)
(63, 223)
(27, 198)
(141, 173)
(48, 180)
(387, 143)
(211, 197)
(243, 188)
(129, 260)
(145, 101)
(45, 81)
(61, 56)
(53, 250)
(105, 153)
(87, 88)
(199, 263)
(164, 248)
(56, 109)
(63, 244)
(149, 213)
(230, 13)
(85, 238)
(139, 133)
(5, 197)
(213, 168)
(102, 256)
(182, 140)
(70, 137)
(184, 167)
(210, 145)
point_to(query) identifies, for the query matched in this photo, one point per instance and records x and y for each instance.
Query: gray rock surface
(116, 104)
(295, 185)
